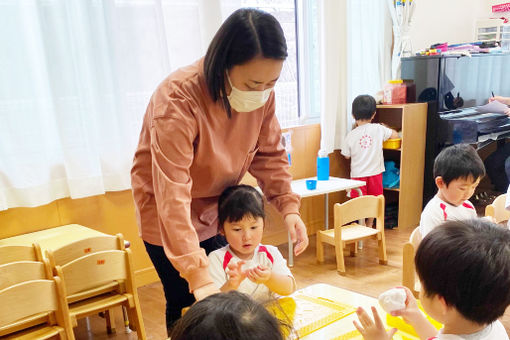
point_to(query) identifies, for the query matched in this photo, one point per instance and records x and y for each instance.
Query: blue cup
(311, 184)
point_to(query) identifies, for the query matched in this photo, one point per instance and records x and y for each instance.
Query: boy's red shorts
(373, 186)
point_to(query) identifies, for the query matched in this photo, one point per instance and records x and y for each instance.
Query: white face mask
(247, 101)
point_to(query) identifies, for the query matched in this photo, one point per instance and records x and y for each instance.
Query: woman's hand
(372, 329)
(504, 100)
(259, 274)
(297, 230)
(205, 291)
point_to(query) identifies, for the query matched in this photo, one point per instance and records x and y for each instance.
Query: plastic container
(311, 184)
(394, 92)
(393, 143)
(322, 166)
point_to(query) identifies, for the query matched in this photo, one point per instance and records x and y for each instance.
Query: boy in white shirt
(457, 171)
(363, 145)
(464, 269)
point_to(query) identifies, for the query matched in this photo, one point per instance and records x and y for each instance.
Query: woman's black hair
(247, 33)
(238, 201)
(232, 315)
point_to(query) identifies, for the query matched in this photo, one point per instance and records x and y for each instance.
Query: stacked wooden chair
(409, 279)
(32, 301)
(497, 210)
(97, 274)
(346, 232)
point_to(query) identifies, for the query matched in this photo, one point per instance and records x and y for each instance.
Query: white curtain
(75, 79)
(333, 61)
(355, 59)
(369, 49)
(402, 12)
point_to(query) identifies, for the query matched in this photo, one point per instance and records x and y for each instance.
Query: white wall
(452, 21)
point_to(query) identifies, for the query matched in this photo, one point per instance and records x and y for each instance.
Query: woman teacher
(206, 125)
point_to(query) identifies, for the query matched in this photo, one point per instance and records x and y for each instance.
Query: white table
(334, 184)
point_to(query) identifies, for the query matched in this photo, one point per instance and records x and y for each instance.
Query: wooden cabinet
(411, 120)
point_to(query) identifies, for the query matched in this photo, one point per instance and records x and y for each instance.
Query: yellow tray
(355, 335)
(401, 325)
(308, 313)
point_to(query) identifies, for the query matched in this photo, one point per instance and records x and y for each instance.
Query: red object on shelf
(394, 92)
(501, 8)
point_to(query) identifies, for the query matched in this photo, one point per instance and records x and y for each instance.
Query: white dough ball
(393, 300)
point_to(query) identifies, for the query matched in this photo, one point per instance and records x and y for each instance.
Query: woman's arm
(271, 169)
(172, 132)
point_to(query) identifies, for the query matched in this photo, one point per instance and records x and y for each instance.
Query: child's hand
(235, 274)
(411, 312)
(372, 329)
(259, 274)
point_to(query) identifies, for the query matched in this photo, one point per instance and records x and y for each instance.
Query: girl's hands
(235, 274)
(372, 329)
(259, 274)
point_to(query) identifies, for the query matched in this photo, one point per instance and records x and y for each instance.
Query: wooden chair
(21, 271)
(90, 274)
(354, 210)
(74, 250)
(20, 253)
(497, 209)
(408, 268)
(33, 306)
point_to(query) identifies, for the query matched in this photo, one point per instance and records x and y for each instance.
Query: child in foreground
(363, 145)
(464, 270)
(245, 264)
(457, 171)
(231, 315)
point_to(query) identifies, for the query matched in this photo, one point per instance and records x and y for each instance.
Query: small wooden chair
(353, 210)
(92, 273)
(20, 253)
(33, 306)
(90, 245)
(497, 209)
(17, 272)
(408, 267)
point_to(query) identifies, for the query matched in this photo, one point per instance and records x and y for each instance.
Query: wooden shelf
(411, 119)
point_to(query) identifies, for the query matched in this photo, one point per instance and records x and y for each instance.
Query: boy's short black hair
(238, 201)
(231, 315)
(363, 107)
(458, 161)
(468, 264)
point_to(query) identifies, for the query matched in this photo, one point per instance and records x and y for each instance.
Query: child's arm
(280, 284)
(393, 135)
(235, 277)
(413, 316)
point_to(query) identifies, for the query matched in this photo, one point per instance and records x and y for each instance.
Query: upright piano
(454, 86)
